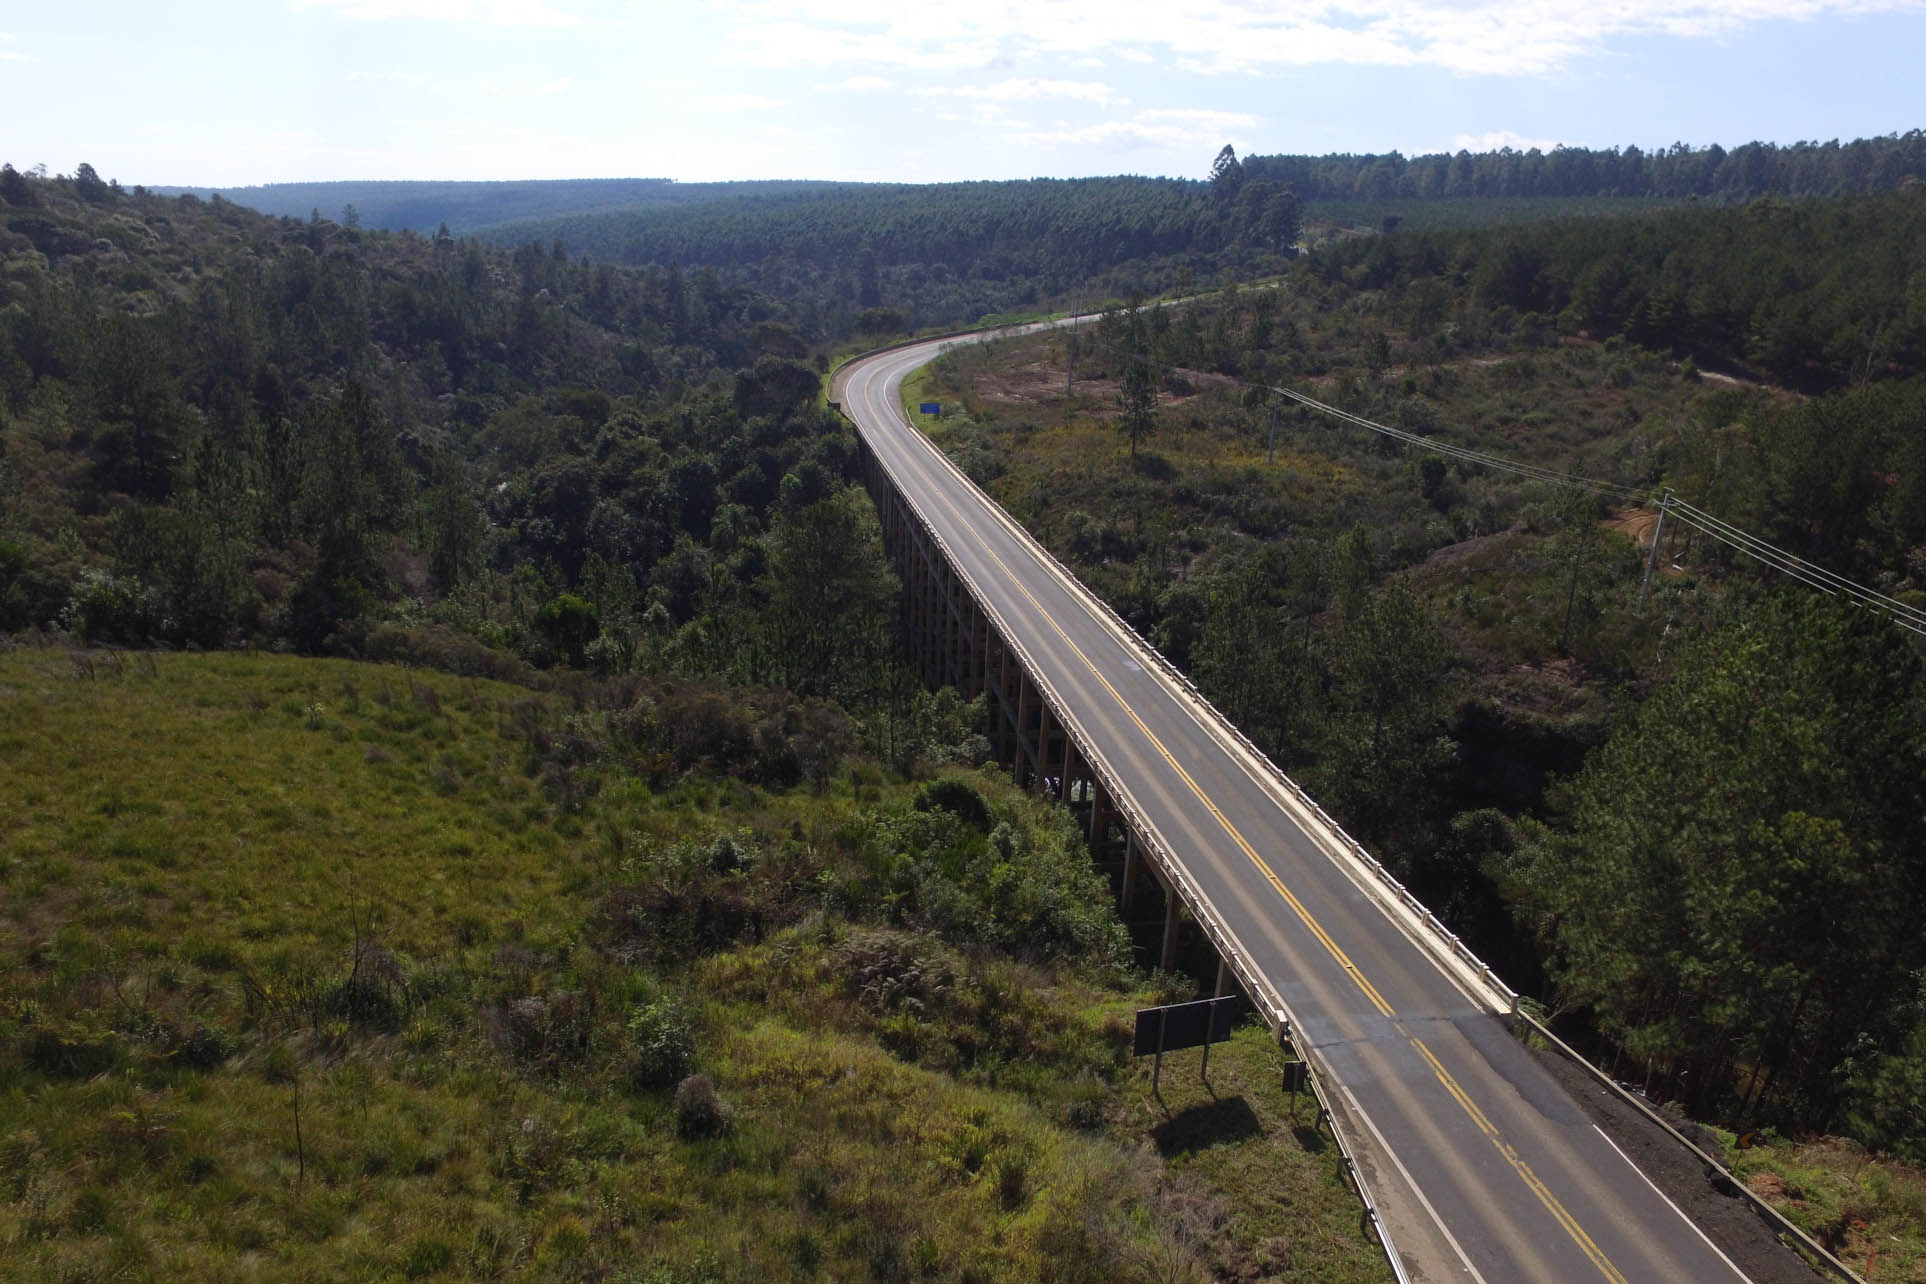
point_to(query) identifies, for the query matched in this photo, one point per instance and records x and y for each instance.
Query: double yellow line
(1478, 1117)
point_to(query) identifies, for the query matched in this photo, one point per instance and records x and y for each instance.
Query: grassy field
(316, 969)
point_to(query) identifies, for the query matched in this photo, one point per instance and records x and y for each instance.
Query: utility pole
(1651, 562)
(1070, 374)
(1270, 447)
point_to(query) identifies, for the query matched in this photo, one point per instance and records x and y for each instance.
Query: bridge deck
(1488, 1171)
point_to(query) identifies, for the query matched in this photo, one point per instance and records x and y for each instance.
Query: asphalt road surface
(1484, 1169)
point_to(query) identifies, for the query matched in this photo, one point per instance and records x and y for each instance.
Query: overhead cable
(1790, 564)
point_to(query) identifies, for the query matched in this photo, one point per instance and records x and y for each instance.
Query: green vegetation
(1869, 1212)
(628, 933)
(1672, 173)
(314, 965)
(1723, 900)
(465, 207)
(1813, 293)
(951, 252)
(658, 925)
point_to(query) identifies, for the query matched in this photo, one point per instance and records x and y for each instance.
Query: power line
(1808, 573)
(1811, 574)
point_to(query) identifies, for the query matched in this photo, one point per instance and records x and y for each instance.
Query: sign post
(1183, 1025)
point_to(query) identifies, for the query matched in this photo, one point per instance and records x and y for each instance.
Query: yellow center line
(1478, 1117)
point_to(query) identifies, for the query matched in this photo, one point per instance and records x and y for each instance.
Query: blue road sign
(933, 408)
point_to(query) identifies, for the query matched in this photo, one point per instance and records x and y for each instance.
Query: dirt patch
(1032, 383)
(1729, 1219)
(1636, 522)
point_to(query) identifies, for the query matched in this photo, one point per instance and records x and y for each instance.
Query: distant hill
(424, 206)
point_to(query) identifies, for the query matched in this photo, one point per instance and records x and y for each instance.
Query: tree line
(1676, 172)
(940, 253)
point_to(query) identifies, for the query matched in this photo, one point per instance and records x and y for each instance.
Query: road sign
(1185, 1025)
(933, 408)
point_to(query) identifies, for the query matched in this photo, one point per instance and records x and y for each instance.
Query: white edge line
(1446, 961)
(1696, 1228)
(1411, 1182)
(1290, 1022)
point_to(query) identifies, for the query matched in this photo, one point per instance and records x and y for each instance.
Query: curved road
(1485, 1170)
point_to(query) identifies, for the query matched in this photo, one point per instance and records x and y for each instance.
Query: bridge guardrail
(1714, 1167)
(1437, 938)
(1276, 1011)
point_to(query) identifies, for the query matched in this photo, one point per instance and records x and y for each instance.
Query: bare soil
(1726, 1216)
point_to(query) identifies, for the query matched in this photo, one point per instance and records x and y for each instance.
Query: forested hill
(219, 428)
(1668, 173)
(948, 252)
(1814, 293)
(425, 206)
(1674, 173)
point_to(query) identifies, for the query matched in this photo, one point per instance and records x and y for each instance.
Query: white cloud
(858, 85)
(421, 81)
(1472, 37)
(1183, 129)
(496, 13)
(11, 55)
(1026, 91)
(738, 102)
(1497, 140)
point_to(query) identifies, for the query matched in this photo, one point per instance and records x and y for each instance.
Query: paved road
(1486, 1171)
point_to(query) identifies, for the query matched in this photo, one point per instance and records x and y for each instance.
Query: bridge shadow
(1200, 1127)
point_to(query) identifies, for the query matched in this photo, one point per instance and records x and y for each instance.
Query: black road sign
(1184, 1025)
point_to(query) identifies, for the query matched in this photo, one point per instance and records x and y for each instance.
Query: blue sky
(917, 90)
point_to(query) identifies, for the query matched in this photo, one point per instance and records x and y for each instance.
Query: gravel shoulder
(1727, 1217)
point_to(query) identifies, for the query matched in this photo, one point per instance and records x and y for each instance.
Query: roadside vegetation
(548, 868)
(315, 965)
(1678, 826)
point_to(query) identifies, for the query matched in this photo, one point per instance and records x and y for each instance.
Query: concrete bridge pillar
(1021, 748)
(1045, 730)
(1173, 930)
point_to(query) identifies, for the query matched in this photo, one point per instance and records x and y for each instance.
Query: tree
(1271, 213)
(1388, 696)
(1734, 887)
(137, 398)
(830, 596)
(88, 184)
(1226, 176)
(1137, 384)
(453, 525)
(569, 623)
(14, 188)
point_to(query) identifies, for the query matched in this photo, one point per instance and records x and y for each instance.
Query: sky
(228, 94)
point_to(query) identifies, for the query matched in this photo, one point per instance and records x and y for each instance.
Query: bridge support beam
(1173, 931)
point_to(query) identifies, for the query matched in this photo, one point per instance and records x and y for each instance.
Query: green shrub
(699, 1112)
(960, 799)
(662, 1045)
